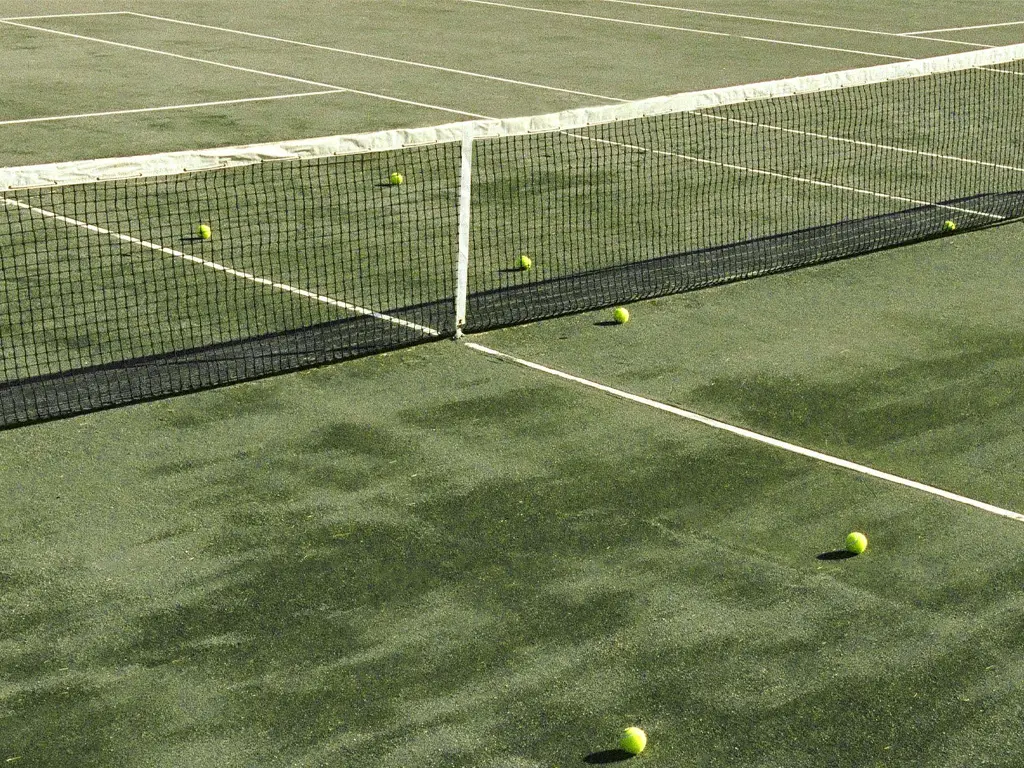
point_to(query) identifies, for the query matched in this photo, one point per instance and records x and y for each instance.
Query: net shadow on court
(147, 378)
(314, 258)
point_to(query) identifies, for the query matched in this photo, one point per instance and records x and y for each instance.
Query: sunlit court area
(511, 384)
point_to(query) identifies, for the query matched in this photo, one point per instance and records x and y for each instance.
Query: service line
(193, 105)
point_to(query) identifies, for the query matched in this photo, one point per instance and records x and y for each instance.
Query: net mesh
(110, 296)
(650, 206)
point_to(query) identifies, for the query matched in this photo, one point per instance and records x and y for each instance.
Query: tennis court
(504, 549)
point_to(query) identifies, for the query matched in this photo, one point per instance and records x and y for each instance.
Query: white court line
(580, 93)
(216, 266)
(1002, 71)
(788, 177)
(63, 15)
(376, 57)
(247, 70)
(963, 29)
(749, 435)
(195, 105)
(790, 23)
(868, 144)
(705, 161)
(690, 158)
(685, 29)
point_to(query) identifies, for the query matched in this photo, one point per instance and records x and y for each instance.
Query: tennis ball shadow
(607, 756)
(195, 239)
(607, 324)
(837, 554)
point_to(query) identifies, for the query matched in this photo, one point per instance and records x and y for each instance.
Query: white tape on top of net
(172, 163)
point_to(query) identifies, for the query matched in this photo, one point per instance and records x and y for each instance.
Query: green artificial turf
(431, 558)
(490, 569)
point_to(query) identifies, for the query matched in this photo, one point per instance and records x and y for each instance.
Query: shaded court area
(488, 569)
(435, 557)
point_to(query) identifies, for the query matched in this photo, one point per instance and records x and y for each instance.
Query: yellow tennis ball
(397, 178)
(621, 315)
(524, 262)
(949, 226)
(205, 232)
(856, 542)
(633, 740)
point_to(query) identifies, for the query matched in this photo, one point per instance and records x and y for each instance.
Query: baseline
(64, 15)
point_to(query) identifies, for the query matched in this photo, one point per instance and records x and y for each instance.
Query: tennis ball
(949, 226)
(205, 232)
(621, 315)
(856, 542)
(397, 178)
(524, 262)
(633, 740)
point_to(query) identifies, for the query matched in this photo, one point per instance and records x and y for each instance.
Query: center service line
(824, 457)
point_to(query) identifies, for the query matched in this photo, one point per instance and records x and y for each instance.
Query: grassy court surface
(436, 557)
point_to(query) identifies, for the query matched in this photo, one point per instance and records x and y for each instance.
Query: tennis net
(110, 296)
